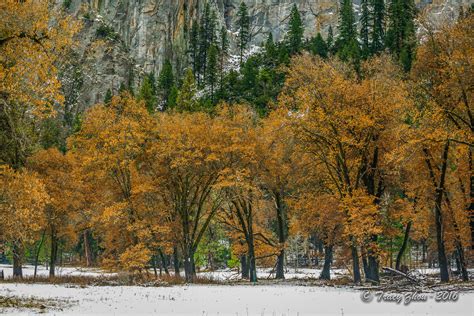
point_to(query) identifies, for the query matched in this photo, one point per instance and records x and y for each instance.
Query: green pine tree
(165, 82)
(212, 73)
(296, 31)
(173, 96)
(378, 26)
(271, 54)
(194, 47)
(147, 94)
(400, 37)
(365, 27)
(318, 46)
(243, 25)
(223, 54)
(186, 99)
(347, 29)
(108, 96)
(330, 39)
(347, 46)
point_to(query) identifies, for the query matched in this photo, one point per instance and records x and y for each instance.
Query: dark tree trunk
(244, 267)
(164, 262)
(365, 264)
(403, 247)
(54, 253)
(153, 261)
(282, 232)
(176, 261)
(17, 260)
(423, 251)
(355, 263)
(87, 249)
(189, 267)
(373, 267)
(462, 261)
(280, 267)
(442, 259)
(38, 252)
(326, 272)
(471, 195)
(252, 262)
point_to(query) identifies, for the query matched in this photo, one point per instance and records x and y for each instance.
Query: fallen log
(387, 269)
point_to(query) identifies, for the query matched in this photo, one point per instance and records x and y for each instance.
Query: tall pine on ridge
(243, 24)
(296, 31)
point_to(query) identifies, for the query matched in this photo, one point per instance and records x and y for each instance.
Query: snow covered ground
(279, 299)
(60, 271)
(225, 300)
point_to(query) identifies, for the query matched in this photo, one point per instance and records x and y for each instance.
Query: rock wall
(123, 39)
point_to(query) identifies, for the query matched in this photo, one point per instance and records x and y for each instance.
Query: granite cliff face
(123, 39)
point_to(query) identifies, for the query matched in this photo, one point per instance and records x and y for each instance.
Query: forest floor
(300, 294)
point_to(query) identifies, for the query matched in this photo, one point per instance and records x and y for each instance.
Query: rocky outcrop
(123, 39)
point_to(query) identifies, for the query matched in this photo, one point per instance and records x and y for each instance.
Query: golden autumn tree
(345, 124)
(56, 170)
(244, 205)
(33, 39)
(443, 134)
(278, 167)
(185, 163)
(22, 200)
(128, 216)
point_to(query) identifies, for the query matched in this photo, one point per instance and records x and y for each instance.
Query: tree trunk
(17, 260)
(282, 229)
(244, 267)
(462, 262)
(355, 263)
(153, 261)
(403, 247)
(326, 272)
(252, 261)
(87, 250)
(280, 267)
(189, 268)
(442, 259)
(54, 253)
(365, 264)
(37, 253)
(164, 262)
(176, 261)
(373, 267)
(471, 195)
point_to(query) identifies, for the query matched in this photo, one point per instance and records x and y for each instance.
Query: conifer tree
(185, 100)
(223, 53)
(401, 31)
(330, 39)
(378, 26)
(347, 45)
(347, 28)
(194, 47)
(166, 81)
(243, 24)
(212, 63)
(147, 93)
(270, 49)
(108, 96)
(296, 31)
(318, 46)
(365, 27)
(207, 37)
